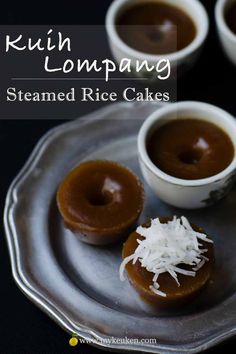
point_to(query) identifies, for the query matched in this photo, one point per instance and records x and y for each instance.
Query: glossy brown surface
(156, 28)
(230, 17)
(190, 149)
(141, 279)
(100, 200)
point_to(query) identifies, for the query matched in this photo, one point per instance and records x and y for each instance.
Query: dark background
(24, 329)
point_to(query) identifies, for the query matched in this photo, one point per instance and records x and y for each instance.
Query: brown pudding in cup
(189, 286)
(156, 27)
(230, 16)
(100, 201)
(190, 148)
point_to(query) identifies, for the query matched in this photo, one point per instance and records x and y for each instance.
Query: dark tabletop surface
(24, 329)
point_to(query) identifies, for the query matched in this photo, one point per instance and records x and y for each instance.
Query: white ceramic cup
(227, 37)
(188, 194)
(182, 59)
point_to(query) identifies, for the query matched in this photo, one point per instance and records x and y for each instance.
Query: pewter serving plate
(77, 284)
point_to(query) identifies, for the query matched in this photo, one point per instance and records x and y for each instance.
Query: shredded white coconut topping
(165, 246)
